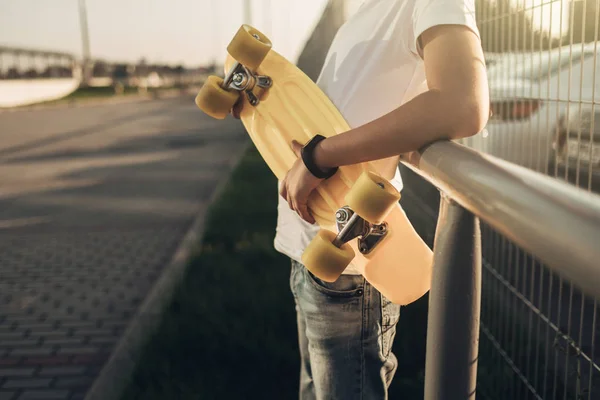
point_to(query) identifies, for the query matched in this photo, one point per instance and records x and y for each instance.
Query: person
(403, 73)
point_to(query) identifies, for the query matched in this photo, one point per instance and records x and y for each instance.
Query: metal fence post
(454, 306)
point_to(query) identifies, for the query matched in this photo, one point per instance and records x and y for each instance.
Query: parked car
(577, 145)
(491, 58)
(546, 112)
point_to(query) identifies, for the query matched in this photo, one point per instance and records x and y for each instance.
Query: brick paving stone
(108, 324)
(89, 359)
(104, 340)
(20, 372)
(19, 343)
(74, 383)
(94, 370)
(11, 329)
(63, 341)
(44, 395)
(11, 336)
(62, 371)
(94, 332)
(48, 360)
(9, 361)
(26, 383)
(78, 324)
(38, 351)
(59, 318)
(38, 325)
(24, 319)
(78, 351)
(47, 334)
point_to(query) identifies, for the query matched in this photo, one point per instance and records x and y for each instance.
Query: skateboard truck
(242, 79)
(350, 225)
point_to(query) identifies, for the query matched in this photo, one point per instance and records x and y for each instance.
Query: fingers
(283, 190)
(300, 207)
(296, 148)
(289, 200)
(285, 193)
(302, 210)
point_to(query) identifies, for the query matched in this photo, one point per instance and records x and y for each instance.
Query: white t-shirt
(372, 68)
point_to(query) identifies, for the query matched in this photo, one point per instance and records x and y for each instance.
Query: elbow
(472, 118)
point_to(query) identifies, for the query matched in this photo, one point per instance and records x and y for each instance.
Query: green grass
(96, 92)
(230, 332)
(91, 93)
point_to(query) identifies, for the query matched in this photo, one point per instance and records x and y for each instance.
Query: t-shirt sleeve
(430, 13)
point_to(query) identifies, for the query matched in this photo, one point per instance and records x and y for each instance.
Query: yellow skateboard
(357, 210)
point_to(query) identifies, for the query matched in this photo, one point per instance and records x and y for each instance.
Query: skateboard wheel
(214, 100)
(323, 259)
(372, 197)
(249, 47)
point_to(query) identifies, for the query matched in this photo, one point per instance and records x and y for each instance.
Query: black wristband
(309, 159)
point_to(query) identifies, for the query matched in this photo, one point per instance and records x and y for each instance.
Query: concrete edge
(134, 98)
(115, 374)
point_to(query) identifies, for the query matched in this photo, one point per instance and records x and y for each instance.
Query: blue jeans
(345, 331)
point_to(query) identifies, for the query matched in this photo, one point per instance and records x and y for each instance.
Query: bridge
(30, 76)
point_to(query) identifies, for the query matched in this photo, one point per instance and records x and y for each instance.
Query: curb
(169, 94)
(115, 374)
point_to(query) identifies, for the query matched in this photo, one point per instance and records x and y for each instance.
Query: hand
(298, 184)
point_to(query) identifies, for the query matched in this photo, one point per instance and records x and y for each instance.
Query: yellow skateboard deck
(294, 108)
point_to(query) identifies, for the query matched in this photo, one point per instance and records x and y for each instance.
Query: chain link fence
(538, 331)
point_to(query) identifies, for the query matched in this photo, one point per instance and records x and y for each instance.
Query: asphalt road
(93, 203)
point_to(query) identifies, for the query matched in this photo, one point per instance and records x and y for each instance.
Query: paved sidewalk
(94, 202)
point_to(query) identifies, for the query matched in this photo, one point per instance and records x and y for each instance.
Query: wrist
(309, 157)
(320, 156)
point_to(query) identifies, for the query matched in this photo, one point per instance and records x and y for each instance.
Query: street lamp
(85, 39)
(248, 12)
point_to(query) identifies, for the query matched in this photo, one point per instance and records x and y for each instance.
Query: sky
(188, 32)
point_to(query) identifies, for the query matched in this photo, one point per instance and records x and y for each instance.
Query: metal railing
(552, 220)
(18, 63)
(538, 328)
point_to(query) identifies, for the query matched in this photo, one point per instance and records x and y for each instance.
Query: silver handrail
(553, 220)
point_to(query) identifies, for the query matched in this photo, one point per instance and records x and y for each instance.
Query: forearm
(429, 117)
(456, 106)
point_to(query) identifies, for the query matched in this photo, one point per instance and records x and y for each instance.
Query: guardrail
(554, 221)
